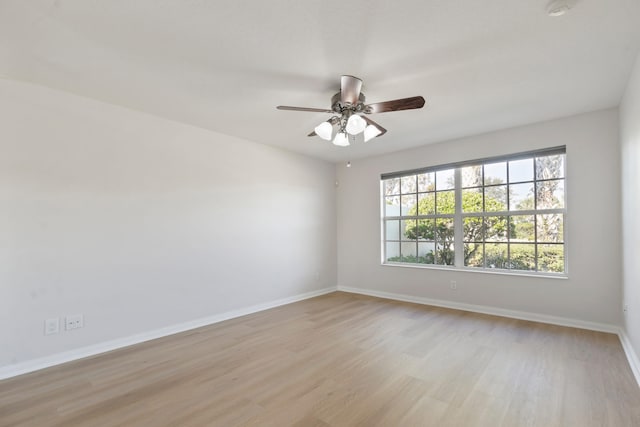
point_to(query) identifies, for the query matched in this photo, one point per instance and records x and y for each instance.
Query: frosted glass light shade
(341, 139)
(371, 132)
(355, 124)
(324, 130)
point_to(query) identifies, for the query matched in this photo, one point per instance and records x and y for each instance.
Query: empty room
(319, 213)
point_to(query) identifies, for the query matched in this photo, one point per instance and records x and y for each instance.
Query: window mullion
(532, 226)
(457, 220)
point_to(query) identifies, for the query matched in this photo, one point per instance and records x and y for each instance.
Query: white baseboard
(92, 350)
(514, 314)
(632, 356)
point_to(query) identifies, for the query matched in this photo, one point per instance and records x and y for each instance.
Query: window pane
(408, 229)
(444, 230)
(521, 170)
(473, 255)
(408, 251)
(521, 197)
(426, 229)
(550, 228)
(495, 198)
(522, 228)
(495, 228)
(392, 186)
(512, 215)
(408, 184)
(392, 251)
(445, 254)
(426, 252)
(550, 194)
(472, 176)
(551, 258)
(408, 204)
(473, 229)
(495, 173)
(549, 167)
(445, 202)
(426, 203)
(427, 181)
(392, 206)
(522, 256)
(392, 230)
(445, 180)
(496, 255)
(472, 200)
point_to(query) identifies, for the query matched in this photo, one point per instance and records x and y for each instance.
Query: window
(505, 213)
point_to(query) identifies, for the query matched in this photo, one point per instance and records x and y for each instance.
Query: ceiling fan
(350, 110)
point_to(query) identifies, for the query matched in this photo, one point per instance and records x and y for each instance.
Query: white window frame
(459, 216)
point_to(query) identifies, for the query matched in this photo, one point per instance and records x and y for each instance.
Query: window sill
(561, 276)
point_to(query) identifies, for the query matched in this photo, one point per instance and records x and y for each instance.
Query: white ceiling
(225, 64)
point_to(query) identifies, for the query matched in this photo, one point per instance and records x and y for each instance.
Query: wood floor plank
(341, 360)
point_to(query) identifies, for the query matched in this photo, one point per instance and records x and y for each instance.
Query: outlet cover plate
(75, 321)
(51, 326)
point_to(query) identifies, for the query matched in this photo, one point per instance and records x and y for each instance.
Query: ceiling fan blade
(371, 122)
(395, 105)
(350, 89)
(312, 110)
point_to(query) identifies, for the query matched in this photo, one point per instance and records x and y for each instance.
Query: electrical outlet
(75, 321)
(453, 285)
(51, 326)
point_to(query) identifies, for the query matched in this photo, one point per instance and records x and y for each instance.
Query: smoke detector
(558, 7)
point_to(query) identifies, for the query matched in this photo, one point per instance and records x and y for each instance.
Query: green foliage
(551, 258)
(427, 259)
(496, 256)
(523, 257)
(492, 241)
(441, 230)
(522, 228)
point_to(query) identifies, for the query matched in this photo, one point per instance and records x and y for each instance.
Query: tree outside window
(511, 215)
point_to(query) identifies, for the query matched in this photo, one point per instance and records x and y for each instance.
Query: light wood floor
(342, 360)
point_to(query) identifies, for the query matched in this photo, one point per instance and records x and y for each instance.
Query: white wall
(630, 151)
(141, 223)
(593, 291)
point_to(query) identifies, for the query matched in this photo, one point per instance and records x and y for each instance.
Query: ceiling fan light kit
(341, 140)
(371, 132)
(355, 124)
(349, 105)
(324, 130)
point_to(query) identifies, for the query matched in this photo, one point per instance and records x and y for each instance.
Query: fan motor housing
(339, 107)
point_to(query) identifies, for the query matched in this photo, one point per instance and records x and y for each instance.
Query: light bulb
(341, 139)
(371, 132)
(355, 124)
(324, 130)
